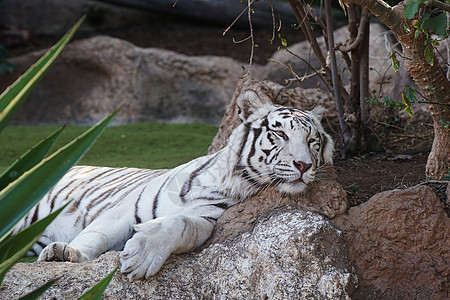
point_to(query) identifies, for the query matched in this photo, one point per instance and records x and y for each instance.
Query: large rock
(96, 75)
(399, 242)
(290, 254)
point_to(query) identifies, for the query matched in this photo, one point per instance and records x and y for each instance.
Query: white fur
(177, 209)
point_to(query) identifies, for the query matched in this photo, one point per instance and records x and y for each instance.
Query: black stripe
(268, 151)
(269, 137)
(41, 244)
(35, 215)
(221, 205)
(94, 188)
(136, 208)
(210, 219)
(184, 227)
(256, 133)
(186, 188)
(156, 199)
(52, 202)
(244, 140)
(244, 174)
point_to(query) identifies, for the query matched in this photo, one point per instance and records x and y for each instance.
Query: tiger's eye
(282, 135)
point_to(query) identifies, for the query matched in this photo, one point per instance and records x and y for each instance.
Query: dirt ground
(362, 176)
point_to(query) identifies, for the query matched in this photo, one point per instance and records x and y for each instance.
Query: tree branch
(365, 17)
(302, 18)
(438, 4)
(392, 17)
(334, 72)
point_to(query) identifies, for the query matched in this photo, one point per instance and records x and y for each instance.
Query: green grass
(145, 145)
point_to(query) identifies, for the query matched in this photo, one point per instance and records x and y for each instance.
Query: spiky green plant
(29, 178)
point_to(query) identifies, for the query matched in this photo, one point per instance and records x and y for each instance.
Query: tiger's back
(92, 192)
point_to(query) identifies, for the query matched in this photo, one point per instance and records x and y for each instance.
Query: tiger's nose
(301, 166)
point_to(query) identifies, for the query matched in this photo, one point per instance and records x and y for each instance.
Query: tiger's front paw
(59, 251)
(145, 253)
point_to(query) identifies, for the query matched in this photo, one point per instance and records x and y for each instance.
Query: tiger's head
(280, 146)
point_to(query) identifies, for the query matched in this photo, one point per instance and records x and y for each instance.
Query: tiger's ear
(318, 111)
(249, 103)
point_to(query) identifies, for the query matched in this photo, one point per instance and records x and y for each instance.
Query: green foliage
(411, 8)
(444, 124)
(14, 96)
(395, 62)
(427, 24)
(12, 248)
(26, 181)
(429, 54)
(33, 185)
(409, 96)
(407, 103)
(39, 291)
(353, 189)
(28, 160)
(437, 24)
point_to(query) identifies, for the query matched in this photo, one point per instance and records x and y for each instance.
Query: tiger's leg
(155, 240)
(98, 237)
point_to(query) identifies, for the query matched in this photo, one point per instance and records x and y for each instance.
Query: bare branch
(347, 60)
(251, 36)
(317, 72)
(237, 18)
(301, 16)
(365, 17)
(334, 72)
(243, 40)
(319, 21)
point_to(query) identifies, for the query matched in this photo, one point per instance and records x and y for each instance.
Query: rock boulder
(289, 254)
(96, 75)
(398, 241)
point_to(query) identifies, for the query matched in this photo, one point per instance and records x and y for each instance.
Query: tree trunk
(436, 90)
(430, 79)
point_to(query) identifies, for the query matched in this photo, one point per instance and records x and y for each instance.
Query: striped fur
(149, 214)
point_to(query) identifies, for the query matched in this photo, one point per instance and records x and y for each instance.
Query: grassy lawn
(145, 145)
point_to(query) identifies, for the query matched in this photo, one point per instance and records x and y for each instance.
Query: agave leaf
(22, 194)
(13, 97)
(39, 291)
(29, 159)
(14, 247)
(97, 290)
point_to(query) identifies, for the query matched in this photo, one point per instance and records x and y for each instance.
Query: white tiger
(150, 214)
